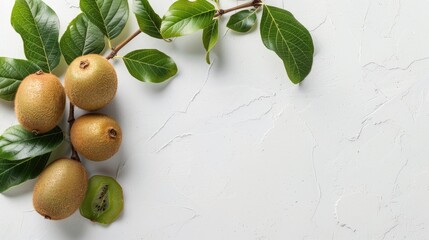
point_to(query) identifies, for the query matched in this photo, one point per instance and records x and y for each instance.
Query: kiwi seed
(104, 200)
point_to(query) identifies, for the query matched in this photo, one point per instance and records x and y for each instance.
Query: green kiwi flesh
(104, 200)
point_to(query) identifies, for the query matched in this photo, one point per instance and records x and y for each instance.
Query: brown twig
(116, 49)
(254, 3)
(220, 12)
(74, 155)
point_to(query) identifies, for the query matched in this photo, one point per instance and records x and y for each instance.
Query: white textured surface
(235, 151)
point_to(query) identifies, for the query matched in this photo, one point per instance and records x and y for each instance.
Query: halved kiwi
(104, 200)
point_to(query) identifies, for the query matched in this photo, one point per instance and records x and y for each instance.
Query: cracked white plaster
(187, 221)
(270, 109)
(337, 217)
(72, 3)
(363, 30)
(320, 24)
(319, 189)
(162, 127)
(248, 104)
(372, 66)
(273, 125)
(176, 138)
(385, 234)
(192, 100)
(316, 179)
(396, 18)
(357, 136)
(121, 165)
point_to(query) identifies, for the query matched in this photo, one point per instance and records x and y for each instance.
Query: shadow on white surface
(21, 190)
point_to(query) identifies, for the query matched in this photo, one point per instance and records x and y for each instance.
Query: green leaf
(185, 17)
(150, 65)
(242, 21)
(81, 37)
(149, 22)
(289, 39)
(17, 143)
(12, 72)
(15, 172)
(110, 16)
(38, 26)
(210, 38)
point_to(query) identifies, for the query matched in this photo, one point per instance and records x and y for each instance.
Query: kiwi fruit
(90, 82)
(104, 200)
(97, 137)
(39, 102)
(60, 189)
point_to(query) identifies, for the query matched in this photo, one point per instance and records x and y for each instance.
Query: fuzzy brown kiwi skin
(97, 137)
(40, 102)
(60, 189)
(90, 82)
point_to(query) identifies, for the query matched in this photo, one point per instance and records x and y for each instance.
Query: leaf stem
(71, 119)
(254, 3)
(116, 49)
(220, 12)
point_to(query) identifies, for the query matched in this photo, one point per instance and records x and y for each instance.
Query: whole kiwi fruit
(60, 189)
(97, 137)
(39, 102)
(90, 82)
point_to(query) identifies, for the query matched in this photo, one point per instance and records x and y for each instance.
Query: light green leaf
(289, 39)
(81, 37)
(110, 16)
(185, 17)
(17, 143)
(149, 22)
(15, 172)
(12, 72)
(38, 26)
(210, 38)
(242, 21)
(150, 65)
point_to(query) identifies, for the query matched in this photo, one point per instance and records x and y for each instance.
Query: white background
(235, 151)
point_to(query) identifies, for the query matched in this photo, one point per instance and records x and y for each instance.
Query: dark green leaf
(15, 172)
(289, 39)
(81, 37)
(12, 72)
(150, 65)
(242, 21)
(110, 16)
(38, 26)
(210, 37)
(149, 21)
(17, 143)
(185, 17)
